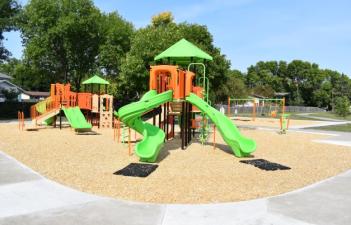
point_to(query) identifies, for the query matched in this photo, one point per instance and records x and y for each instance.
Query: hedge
(9, 110)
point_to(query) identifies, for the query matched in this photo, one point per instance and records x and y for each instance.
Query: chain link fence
(263, 110)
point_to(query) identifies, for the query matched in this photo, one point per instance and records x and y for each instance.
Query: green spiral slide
(241, 146)
(153, 140)
(130, 115)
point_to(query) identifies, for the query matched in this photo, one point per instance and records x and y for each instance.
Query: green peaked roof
(96, 80)
(184, 52)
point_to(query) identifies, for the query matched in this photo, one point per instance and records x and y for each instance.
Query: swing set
(255, 107)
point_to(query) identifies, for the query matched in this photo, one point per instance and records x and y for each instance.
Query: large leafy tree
(8, 11)
(116, 37)
(305, 82)
(61, 38)
(24, 75)
(68, 40)
(234, 87)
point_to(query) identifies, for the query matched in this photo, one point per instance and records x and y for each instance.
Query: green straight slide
(130, 115)
(240, 145)
(76, 118)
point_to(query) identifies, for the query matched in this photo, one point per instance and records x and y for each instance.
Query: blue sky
(251, 30)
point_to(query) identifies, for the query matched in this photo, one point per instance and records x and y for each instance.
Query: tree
(8, 11)
(116, 40)
(234, 86)
(61, 38)
(342, 106)
(162, 19)
(305, 82)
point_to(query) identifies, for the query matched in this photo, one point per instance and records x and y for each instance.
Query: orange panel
(198, 91)
(157, 70)
(189, 82)
(84, 100)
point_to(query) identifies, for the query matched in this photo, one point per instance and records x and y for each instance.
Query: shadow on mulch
(265, 164)
(137, 170)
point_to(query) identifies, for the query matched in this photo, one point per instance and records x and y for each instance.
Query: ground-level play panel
(198, 175)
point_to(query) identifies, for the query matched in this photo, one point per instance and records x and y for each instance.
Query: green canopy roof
(96, 80)
(184, 52)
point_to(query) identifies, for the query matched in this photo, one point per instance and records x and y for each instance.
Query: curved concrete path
(308, 115)
(28, 198)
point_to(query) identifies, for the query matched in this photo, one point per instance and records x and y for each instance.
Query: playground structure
(255, 107)
(82, 110)
(174, 91)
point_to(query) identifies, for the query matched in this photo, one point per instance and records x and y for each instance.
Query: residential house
(23, 95)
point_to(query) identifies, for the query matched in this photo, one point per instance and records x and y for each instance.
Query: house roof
(184, 52)
(281, 93)
(258, 96)
(30, 93)
(96, 80)
(37, 93)
(5, 77)
(11, 84)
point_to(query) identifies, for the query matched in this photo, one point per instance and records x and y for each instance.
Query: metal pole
(99, 108)
(164, 119)
(173, 126)
(129, 142)
(167, 118)
(228, 107)
(159, 117)
(186, 123)
(60, 111)
(189, 123)
(182, 125)
(214, 136)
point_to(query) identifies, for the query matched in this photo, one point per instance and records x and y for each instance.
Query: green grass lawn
(342, 128)
(331, 115)
(327, 115)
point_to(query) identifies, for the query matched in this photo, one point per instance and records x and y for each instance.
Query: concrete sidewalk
(28, 198)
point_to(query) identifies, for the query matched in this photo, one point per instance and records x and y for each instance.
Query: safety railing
(43, 107)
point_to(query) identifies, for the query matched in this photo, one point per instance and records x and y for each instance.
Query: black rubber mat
(137, 170)
(265, 165)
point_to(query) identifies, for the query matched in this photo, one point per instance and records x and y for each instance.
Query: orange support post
(19, 120)
(129, 143)
(283, 110)
(287, 126)
(214, 136)
(22, 120)
(20, 116)
(228, 107)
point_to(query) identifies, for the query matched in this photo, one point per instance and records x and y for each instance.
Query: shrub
(342, 106)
